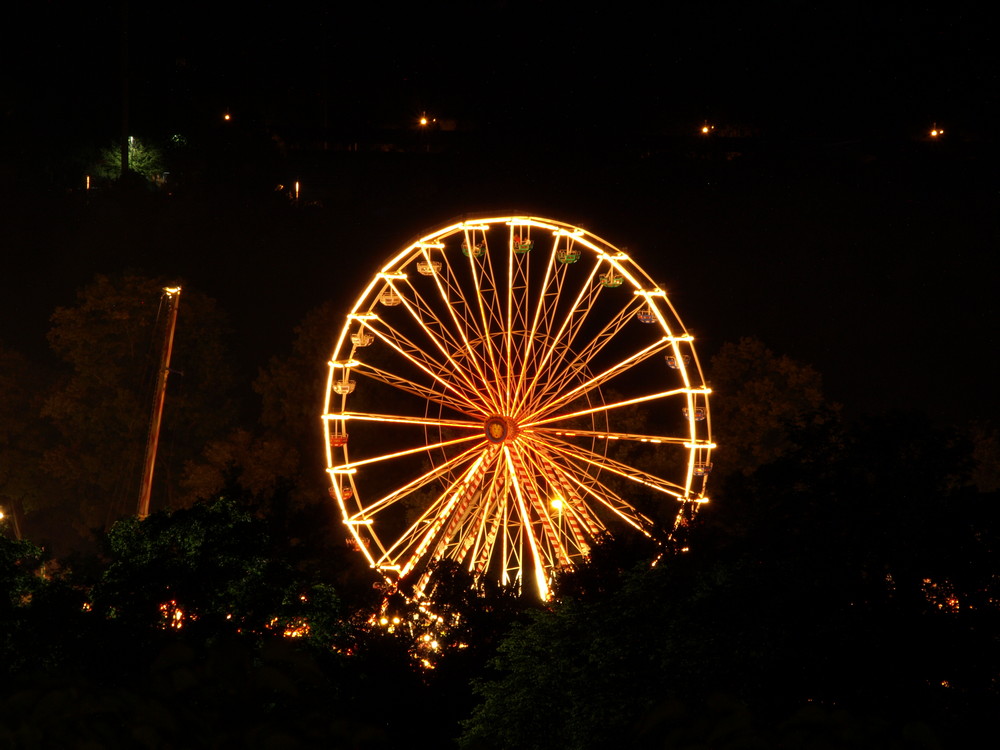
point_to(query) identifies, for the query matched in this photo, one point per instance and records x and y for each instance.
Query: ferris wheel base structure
(502, 393)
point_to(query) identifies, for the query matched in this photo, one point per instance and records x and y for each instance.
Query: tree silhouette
(286, 446)
(758, 400)
(143, 159)
(856, 570)
(100, 405)
(24, 484)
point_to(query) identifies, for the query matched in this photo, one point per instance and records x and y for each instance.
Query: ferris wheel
(504, 391)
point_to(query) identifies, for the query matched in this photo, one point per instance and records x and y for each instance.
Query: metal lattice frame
(496, 358)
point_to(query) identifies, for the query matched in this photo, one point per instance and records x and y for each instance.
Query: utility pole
(172, 297)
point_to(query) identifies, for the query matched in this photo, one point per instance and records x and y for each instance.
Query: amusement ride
(503, 392)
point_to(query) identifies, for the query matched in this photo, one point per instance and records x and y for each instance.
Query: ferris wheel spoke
(564, 254)
(409, 452)
(491, 293)
(530, 480)
(460, 309)
(570, 371)
(466, 523)
(481, 272)
(400, 419)
(607, 333)
(546, 306)
(405, 553)
(408, 386)
(506, 314)
(457, 339)
(412, 352)
(560, 342)
(548, 403)
(466, 325)
(458, 495)
(624, 436)
(426, 314)
(606, 407)
(436, 370)
(576, 489)
(492, 526)
(480, 528)
(526, 527)
(538, 320)
(600, 496)
(573, 319)
(434, 330)
(578, 454)
(603, 496)
(518, 293)
(565, 511)
(570, 367)
(546, 313)
(368, 511)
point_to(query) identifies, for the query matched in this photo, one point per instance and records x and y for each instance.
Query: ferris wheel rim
(530, 441)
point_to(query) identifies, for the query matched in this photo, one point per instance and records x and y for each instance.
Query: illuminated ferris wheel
(502, 392)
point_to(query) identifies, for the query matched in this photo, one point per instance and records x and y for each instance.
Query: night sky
(819, 218)
(538, 67)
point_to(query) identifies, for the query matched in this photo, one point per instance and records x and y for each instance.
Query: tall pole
(172, 297)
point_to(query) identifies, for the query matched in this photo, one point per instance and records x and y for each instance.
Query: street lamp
(16, 526)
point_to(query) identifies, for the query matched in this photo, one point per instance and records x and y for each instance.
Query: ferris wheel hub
(500, 429)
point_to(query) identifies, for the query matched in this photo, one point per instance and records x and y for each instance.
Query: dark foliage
(842, 595)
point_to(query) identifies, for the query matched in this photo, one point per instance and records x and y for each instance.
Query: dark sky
(536, 66)
(836, 235)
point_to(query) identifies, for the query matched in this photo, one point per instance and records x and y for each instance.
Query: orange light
(173, 616)
(498, 344)
(296, 628)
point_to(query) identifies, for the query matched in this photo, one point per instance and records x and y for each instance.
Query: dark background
(818, 216)
(857, 568)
